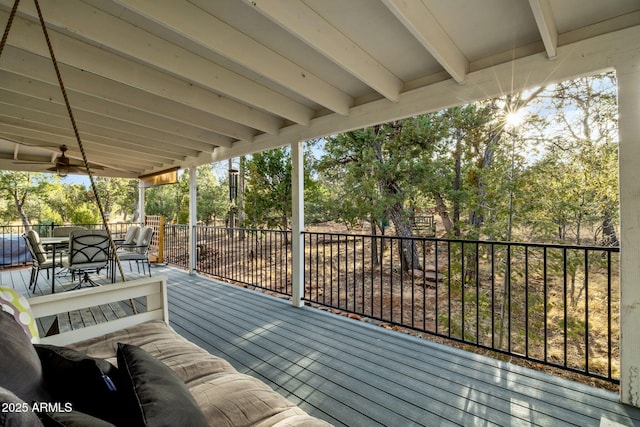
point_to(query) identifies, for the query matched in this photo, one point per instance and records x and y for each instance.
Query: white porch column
(297, 226)
(628, 74)
(193, 218)
(141, 194)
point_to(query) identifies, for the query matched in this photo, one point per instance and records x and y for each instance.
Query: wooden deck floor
(355, 374)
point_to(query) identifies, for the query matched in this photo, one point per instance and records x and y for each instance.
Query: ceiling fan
(63, 166)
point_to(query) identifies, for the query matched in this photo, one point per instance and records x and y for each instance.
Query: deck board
(315, 367)
(353, 373)
(386, 377)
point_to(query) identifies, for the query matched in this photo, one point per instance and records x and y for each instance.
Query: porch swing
(85, 162)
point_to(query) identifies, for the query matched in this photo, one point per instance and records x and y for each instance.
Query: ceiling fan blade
(81, 166)
(50, 145)
(91, 166)
(77, 169)
(27, 162)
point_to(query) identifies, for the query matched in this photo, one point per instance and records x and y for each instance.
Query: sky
(76, 179)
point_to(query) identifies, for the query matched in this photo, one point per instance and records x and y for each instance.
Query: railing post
(628, 75)
(297, 226)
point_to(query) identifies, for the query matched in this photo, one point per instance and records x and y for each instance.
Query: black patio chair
(89, 252)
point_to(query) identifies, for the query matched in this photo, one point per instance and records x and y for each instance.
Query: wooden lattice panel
(157, 241)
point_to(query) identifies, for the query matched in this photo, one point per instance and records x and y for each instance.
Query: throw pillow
(16, 412)
(20, 370)
(156, 395)
(85, 382)
(18, 306)
(72, 419)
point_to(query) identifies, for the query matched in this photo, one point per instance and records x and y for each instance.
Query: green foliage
(268, 196)
(172, 201)
(118, 196)
(213, 196)
(85, 214)
(268, 192)
(164, 200)
(21, 193)
(574, 181)
(551, 178)
(50, 216)
(63, 200)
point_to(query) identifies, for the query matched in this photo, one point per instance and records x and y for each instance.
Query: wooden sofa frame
(214, 383)
(152, 289)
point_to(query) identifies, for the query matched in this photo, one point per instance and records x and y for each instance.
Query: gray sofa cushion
(16, 412)
(225, 396)
(20, 372)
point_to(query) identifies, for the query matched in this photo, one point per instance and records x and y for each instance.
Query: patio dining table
(54, 243)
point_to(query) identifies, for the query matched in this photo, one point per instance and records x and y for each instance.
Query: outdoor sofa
(130, 371)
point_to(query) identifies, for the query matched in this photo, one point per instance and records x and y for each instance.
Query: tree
(172, 201)
(213, 199)
(164, 200)
(591, 135)
(20, 190)
(118, 195)
(463, 152)
(576, 173)
(267, 196)
(86, 213)
(378, 173)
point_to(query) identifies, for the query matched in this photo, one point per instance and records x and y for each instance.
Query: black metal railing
(248, 256)
(176, 245)
(255, 257)
(553, 304)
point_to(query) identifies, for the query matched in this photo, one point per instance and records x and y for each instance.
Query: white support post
(193, 218)
(628, 75)
(297, 226)
(141, 194)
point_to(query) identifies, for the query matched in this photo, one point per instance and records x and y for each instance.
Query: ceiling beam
(419, 20)
(107, 31)
(35, 95)
(95, 147)
(122, 158)
(27, 64)
(215, 35)
(545, 20)
(28, 36)
(157, 142)
(585, 56)
(302, 21)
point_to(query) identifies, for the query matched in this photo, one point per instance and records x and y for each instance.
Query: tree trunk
(19, 201)
(609, 236)
(136, 212)
(396, 213)
(457, 184)
(441, 207)
(410, 258)
(477, 216)
(374, 244)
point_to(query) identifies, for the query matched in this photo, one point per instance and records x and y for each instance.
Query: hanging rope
(8, 26)
(77, 134)
(73, 123)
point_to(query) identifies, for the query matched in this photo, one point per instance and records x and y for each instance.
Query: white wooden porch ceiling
(156, 84)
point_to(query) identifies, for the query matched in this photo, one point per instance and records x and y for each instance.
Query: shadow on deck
(352, 373)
